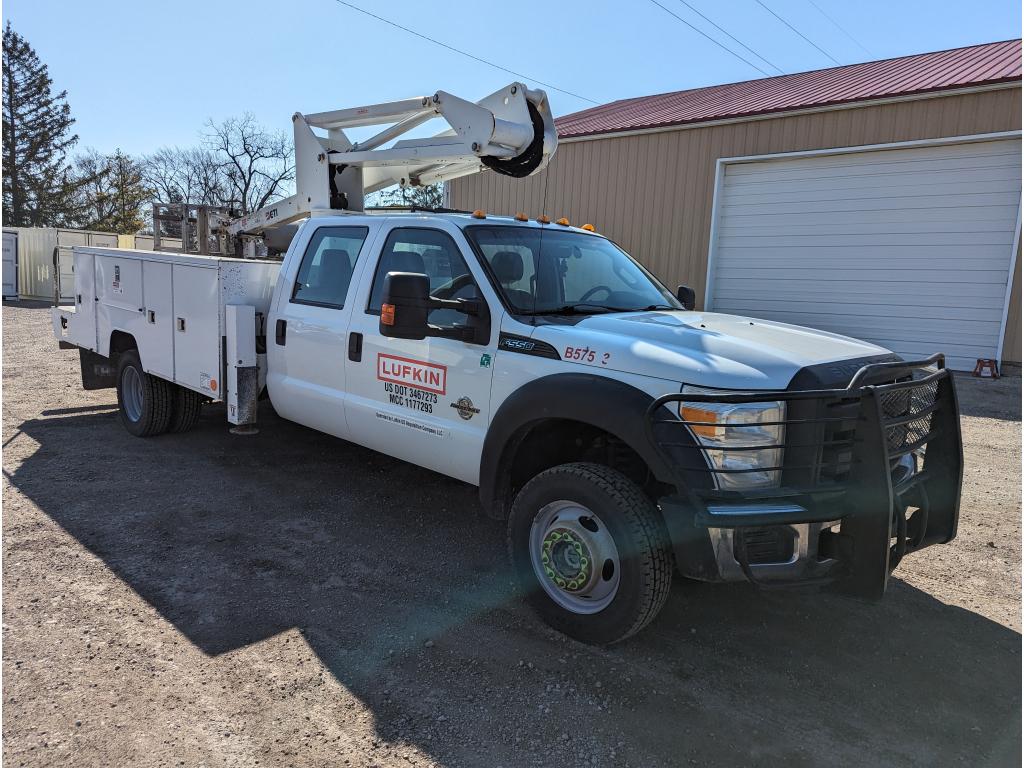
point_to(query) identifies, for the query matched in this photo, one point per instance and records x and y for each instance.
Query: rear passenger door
(308, 335)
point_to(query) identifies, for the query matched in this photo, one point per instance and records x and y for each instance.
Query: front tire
(145, 401)
(590, 551)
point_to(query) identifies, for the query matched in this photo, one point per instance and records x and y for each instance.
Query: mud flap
(98, 372)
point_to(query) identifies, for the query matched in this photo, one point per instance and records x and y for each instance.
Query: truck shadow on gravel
(401, 588)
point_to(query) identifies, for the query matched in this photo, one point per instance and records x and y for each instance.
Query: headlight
(719, 432)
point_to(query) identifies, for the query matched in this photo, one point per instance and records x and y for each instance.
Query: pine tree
(113, 194)
(39, 188)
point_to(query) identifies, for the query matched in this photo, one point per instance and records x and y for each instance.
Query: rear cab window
(325, 273)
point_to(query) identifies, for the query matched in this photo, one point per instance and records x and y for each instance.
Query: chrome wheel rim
(131, 393)
(574, 557)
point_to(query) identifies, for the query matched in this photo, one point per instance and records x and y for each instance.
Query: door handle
(355, 347)
(280, 331)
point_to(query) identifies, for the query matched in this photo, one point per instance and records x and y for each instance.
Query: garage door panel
(937, 228)
(873, 260)
(817, 240)
(800, 290)
(752, 174)
(925, 216)
(899, 328)
(895, 194)
(886, 182)
(908, 248)
(1009, 199)
(912, 276)
(927, 308)
(913, 155)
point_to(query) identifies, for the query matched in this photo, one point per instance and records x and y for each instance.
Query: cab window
(433, 253)
(326, 269)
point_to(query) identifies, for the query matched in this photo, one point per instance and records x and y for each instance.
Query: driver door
(425, 401)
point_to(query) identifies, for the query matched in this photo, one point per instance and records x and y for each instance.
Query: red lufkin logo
(414, 373)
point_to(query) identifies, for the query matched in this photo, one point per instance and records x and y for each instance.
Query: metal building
(879, 200)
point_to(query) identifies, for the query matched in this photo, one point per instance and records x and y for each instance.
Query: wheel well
(541, 445)
(121, 342)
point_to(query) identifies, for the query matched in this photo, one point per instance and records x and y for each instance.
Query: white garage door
(907, 248)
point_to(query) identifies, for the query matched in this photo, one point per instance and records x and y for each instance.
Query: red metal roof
(956, 68)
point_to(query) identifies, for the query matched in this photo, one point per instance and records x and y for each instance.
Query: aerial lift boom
(511, 132)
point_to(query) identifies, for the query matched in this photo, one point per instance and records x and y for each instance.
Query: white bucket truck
(620, 433)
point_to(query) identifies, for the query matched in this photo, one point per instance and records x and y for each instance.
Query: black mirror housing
(687, 296)
(403, 314)
(407, 304)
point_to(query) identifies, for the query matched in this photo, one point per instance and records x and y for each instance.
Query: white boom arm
(511, 131)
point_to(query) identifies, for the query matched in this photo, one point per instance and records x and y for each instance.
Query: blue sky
(141, 75)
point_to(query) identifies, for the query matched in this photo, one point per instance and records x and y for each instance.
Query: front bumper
(870, 473)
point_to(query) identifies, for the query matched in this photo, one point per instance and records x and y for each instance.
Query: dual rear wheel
(150, 405)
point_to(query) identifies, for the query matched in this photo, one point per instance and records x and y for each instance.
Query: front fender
(610, 405)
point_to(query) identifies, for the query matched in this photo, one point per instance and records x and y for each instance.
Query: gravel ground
(290, 599)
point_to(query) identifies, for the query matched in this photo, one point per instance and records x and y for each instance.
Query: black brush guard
(844, 459)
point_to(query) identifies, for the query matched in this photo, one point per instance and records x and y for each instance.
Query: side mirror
(403, 315)
(687, 297)
(407, 304)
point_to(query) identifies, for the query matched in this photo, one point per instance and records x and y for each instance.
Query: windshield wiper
(575, 309)
(593, 309)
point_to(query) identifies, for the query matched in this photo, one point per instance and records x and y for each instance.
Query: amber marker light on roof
(563, 221)
(588, 227)
(521, 216)
(478, 214)
(542, 219)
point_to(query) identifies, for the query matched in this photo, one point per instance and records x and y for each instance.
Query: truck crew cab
(620, 433)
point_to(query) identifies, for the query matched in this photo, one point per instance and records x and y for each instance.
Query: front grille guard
(844, 458)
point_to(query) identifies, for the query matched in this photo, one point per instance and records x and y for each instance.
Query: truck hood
(702, 348)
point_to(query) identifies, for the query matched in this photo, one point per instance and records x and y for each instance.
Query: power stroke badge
(465, 408)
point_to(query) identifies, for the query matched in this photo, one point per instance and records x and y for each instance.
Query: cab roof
(460, 220)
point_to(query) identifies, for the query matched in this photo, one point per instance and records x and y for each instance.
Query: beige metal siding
(652, 193)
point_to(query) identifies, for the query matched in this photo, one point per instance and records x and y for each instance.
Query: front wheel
(590, 551)
(145, 401)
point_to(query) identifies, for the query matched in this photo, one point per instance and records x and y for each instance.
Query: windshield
(566, 272)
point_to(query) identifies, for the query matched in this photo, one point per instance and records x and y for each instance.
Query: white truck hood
(702, 348)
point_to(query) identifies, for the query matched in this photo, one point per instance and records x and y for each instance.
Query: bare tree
(427, 197)
(256, 165)
(190, 175)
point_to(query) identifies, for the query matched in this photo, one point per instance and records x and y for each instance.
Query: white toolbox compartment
(174, 305)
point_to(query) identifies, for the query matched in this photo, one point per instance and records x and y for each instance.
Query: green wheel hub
(566, 560)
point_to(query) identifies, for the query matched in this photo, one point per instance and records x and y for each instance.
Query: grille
(899, 405)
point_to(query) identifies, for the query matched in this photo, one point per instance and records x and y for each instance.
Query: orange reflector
(588, 227)
(542, 219)
(563, 221)
(387, 314)
(692, 413)
(521, 216)
(478, 214)
(213, 384)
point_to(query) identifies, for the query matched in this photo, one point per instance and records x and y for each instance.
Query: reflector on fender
(387, 314)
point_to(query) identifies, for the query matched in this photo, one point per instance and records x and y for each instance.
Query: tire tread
(643, 521)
